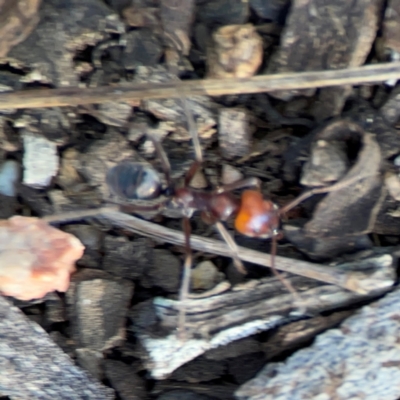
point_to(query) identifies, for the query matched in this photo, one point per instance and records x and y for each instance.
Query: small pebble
(40, 160)
(9, 175)
(205, 276)
(235, 132)
(236, 52)
(230, 174)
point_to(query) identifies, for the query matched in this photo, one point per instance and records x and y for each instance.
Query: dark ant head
(257, 217)
(134, 181)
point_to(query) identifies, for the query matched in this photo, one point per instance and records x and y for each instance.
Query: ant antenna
(336, 186)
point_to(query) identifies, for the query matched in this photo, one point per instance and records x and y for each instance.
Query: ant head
(257, 217)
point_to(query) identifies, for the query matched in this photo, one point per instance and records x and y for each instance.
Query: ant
(253, 215)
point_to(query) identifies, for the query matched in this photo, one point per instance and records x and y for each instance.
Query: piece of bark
(49, 55)
(216, 321)
(363, 195)
(97, 309)
(347, 214)
(33, 367)
(358, 360)
(322, 35)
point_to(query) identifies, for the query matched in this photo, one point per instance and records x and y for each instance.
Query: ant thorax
(213, 206)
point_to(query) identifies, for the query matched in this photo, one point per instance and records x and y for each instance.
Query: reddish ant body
(253, 215)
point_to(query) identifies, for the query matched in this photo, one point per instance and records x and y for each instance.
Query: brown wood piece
(213, 87)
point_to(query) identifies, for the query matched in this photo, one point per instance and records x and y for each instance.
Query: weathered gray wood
(33, 367)
(359, 360)
(248, 309)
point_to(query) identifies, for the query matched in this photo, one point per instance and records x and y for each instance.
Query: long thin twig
(355, 281)
(213, 87)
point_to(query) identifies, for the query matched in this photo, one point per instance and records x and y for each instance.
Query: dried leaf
(35, 258)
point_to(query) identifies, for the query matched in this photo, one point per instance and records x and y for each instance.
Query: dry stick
(213, 87)
(332, 275)
(77, 215)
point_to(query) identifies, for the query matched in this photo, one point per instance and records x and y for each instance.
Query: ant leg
(185, 286)
(336, 186)
(196, 165)
(196, 143)
(232, 246)
(193, 131)
(241, 184)
(296, 297)
(166, 166)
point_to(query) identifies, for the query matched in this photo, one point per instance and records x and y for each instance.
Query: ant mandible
(253, 215)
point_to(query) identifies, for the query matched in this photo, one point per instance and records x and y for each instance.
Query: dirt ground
(112, 111)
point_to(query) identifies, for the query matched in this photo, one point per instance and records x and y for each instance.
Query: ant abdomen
(134, 181)
(257, 217)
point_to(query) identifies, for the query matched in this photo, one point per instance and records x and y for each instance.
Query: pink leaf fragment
(35, 258)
